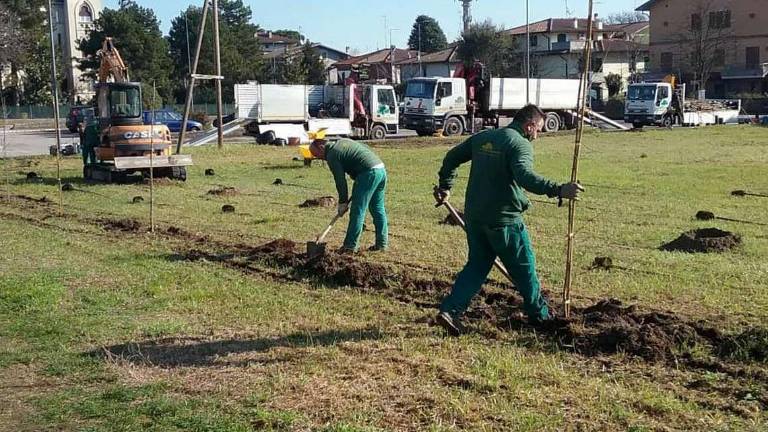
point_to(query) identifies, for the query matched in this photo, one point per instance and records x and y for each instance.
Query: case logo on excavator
(139, 134)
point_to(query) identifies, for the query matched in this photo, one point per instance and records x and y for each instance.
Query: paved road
(33, 142)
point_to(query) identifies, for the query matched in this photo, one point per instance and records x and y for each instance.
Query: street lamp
(392, 55)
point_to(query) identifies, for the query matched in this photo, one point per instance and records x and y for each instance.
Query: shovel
(741, 193)
(497, 263)
(317, 248)
(704, 215)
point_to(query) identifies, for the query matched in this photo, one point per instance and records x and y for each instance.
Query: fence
(46, 111)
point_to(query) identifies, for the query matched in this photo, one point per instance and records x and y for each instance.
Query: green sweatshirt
(346, 156)
(502, 168)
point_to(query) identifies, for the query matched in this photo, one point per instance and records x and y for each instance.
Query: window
(562, 37)
(718, 57)
(753, 57)
(695, 21)
(85, 15)
(663, 94)
(386, 101)
(641, 92)
(720, 19)
(420, 89)
(445, 89)
(665, 61)
(534, 41)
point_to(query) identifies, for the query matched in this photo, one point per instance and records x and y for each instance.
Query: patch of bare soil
(161, 181)
(224, 191)
(43, 200)
(122, 225)
(705, 240)
(326, 201)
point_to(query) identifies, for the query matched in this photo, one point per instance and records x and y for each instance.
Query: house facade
(558, 44)
(377, 66)
(438, 64)
(732, 36)
(271, 42)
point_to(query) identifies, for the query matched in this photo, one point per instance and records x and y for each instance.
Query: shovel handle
(497, 263)
(324, 234)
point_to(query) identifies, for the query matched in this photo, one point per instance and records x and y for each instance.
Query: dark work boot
(451, 324)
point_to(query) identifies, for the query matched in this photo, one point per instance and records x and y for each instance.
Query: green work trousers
(513, 246)
(368, 194)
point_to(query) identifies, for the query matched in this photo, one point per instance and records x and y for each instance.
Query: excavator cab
(120, 104)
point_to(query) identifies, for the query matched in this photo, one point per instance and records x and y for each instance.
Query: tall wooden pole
(217, 55)
(192, 74)
(582, 109)
(55, 92)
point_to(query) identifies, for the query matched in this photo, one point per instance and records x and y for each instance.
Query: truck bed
(508, 94)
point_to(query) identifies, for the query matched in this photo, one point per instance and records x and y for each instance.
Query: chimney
(598, 22)
(576, 23)
(269, 35)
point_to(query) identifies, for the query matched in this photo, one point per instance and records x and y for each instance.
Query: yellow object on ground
(319, 134)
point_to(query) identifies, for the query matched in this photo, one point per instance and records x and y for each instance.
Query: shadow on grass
(198, 351)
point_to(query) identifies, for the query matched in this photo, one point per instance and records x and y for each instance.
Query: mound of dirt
(210, 172)
(67, 187)
(705, 240)
(227, 208)
(124, 225)
(450, 220)
(223, 191)
(326, 201)
(137, 199)
(704, 215)
(278, 182)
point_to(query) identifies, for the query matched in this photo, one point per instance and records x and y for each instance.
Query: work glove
(441, 195)
(570, 191)
(342, 208)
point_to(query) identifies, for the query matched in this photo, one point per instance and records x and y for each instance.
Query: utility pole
(467, 16)
(392, 55)
(217, 55)
(527, 55)
(421, 71)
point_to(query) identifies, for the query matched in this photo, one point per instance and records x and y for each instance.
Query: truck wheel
(378, 132)
(552, 122)
(453, 126)
(667, 121)
(637, 125)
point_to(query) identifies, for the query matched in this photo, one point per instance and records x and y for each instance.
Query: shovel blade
(315, 249)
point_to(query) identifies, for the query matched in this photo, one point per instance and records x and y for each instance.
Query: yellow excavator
(117, 142)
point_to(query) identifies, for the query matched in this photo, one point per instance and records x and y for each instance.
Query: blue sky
(360, 24)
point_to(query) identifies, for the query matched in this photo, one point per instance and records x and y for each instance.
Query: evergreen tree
(484, 42)
(432, 36)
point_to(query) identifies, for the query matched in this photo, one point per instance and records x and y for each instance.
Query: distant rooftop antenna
(568, 12)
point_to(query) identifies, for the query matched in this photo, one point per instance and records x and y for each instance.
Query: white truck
(355, 110)
(458, 105)
(664, 104)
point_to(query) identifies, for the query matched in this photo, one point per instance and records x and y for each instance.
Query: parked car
(172, 119)
(76, 115)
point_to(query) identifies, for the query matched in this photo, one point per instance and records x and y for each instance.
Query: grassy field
(106, 327)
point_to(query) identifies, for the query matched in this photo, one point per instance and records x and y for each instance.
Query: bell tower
(72, 20)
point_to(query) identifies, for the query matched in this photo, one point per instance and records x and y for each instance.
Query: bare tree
(11, 36)
(626, 17)
(703, 46)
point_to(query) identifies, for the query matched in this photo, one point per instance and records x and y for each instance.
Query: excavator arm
(112, 64)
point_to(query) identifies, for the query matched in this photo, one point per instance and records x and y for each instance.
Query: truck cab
(649, 104)
(381, 102)
(432, 104)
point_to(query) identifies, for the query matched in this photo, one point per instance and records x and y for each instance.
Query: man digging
(350, 157)
(501, 172)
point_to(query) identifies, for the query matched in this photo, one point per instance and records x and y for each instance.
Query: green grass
(199, 346)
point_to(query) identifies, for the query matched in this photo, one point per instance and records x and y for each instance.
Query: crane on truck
(116, 142)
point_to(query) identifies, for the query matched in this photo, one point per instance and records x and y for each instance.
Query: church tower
(71, 21)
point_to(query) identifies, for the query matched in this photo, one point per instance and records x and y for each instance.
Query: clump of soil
(278, 182)
(326, 201)
(450, 220)
(224, 191)
(227, 208)
(124, 225)
(210, 172)
(739, 193)
(602, 263)
(750, 345)
(160, 181)
(67, 187)
(705, 240)
(32, 176)
(704, 215)
(137, 199)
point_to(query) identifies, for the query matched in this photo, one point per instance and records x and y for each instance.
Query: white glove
(342, 208)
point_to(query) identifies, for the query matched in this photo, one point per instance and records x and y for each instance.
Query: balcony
(577, 45)
(735, 72)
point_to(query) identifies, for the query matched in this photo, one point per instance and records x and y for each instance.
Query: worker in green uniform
(502, 169)
(348, 157)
